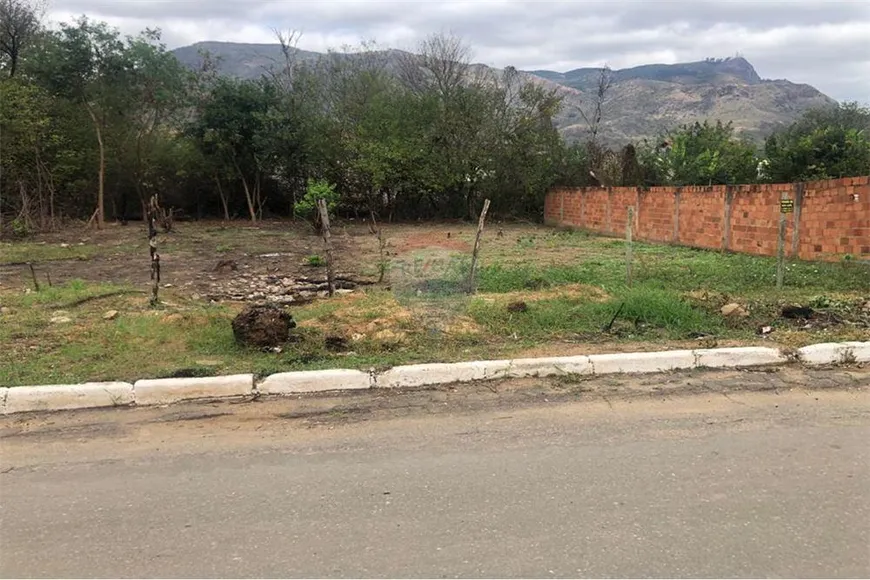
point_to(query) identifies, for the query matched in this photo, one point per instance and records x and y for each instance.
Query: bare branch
(442, 63)
(596, 115)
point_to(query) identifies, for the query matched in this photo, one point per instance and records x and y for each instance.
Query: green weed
(315, 261)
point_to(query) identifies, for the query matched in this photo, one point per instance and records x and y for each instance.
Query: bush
(317, 189)
(19, 228)
(315, 261)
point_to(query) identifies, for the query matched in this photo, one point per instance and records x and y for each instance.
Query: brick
(829, 216)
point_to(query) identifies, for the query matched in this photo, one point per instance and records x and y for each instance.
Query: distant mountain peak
(709, 70)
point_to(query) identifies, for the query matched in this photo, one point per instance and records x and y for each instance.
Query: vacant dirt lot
(541, 291)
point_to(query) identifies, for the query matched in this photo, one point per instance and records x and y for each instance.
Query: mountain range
(641, 102)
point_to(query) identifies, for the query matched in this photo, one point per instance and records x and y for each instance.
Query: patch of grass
(62, 294)
(679, 269)
(36, 252)
(649, 311)
(315, 261)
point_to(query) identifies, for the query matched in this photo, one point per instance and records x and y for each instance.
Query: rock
(111, 315)
(64, 245)
(262, 326)
(60, 319)
(734, 310)
(5, 310)
(519, 306)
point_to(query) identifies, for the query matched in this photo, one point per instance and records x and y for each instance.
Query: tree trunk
(480, 223)
(100, 213)
(382, 245)
(224, 201)
(327, 242)
(252, 209)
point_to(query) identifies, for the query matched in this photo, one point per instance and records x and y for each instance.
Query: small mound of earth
(263, 326)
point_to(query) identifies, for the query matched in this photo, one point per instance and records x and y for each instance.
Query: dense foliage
(93, 124)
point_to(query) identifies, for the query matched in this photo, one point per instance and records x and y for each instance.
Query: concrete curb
(63, 397)
(834, 353)
(549, 367)
(165, 391)
(314, 381)
(751, 356)
(642, 362)
(441, 373)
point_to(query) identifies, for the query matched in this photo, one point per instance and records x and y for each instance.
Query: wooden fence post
(480, 223)
(152, 249)
(327, 243)
(629, 250)
(780, 244)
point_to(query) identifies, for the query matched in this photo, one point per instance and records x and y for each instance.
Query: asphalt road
(529, 484)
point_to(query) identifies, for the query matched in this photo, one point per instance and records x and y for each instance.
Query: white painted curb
(441, 373)
(314, 381)
(62, 397)
(835, 353)
(551, 366)
(642, 362)
(163, 391)
(740, 357)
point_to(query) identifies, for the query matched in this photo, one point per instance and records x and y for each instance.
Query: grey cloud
(822, 43)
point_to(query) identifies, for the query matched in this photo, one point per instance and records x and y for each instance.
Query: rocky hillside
(641, 103)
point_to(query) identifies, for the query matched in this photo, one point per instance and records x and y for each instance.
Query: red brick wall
(655, 214)
(832, 217)
(702, 214)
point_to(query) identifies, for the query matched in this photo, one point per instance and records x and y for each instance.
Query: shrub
(315, 261)
(317, 189)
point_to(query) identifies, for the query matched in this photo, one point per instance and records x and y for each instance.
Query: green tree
(824, 143)
(26, 135)
(87, 63)
(230, 127)
(701, 154)
(19, 25)
(158, 89)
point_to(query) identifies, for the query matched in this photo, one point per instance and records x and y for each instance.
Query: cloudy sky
(823, 43)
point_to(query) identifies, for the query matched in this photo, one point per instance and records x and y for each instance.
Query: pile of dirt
(263, 326)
